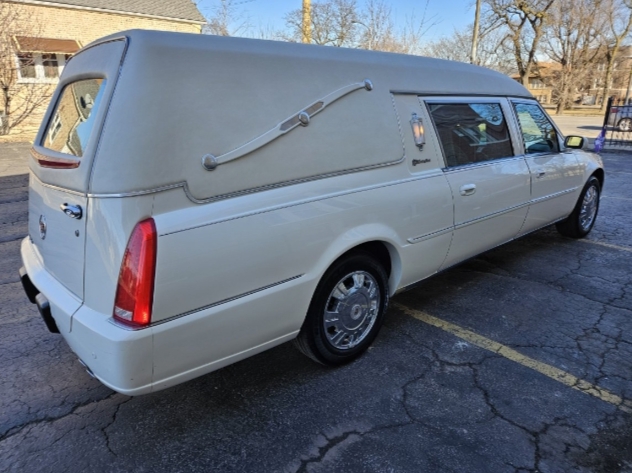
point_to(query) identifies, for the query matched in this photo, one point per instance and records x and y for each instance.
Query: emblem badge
(42, 226)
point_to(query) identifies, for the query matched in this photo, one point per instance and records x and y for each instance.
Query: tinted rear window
(73, 119)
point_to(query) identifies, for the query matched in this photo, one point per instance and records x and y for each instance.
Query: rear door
(490, 184)
(61, 162)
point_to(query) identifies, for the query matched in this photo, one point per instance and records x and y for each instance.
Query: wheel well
(378, 250)
(599, 174)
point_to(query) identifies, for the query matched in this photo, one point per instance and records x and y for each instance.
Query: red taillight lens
(135, 289)
(614, 110)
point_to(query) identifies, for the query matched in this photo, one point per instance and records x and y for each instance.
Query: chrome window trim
(113, 321)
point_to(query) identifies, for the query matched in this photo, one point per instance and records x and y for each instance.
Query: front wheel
(580, 222)
(346, 311)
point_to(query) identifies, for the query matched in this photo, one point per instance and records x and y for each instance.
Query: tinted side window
(471, 133)
(538, 133)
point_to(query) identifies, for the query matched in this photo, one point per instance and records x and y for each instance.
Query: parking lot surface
(519, 360)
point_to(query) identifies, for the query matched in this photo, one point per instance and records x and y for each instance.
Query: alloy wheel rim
(351, 310)
(589, 208)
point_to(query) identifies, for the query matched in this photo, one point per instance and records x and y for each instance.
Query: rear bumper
(119, 358)
(39, 299)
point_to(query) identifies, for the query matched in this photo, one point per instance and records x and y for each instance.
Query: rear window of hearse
(71, 124)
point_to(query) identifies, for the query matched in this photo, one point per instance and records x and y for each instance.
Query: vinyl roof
(174, 9)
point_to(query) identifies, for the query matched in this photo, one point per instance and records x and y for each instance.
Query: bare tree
(333, 23)
(491, 52)
(227, 19)
(572, 41)
(20, 99)
(378, 31)
(523, 22)
(618, 23)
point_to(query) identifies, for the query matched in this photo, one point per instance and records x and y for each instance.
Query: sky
(447, 14)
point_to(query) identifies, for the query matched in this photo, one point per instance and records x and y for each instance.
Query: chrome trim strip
(109, 40)
(516, 207)
(253, 190)
(426, 94)
(308, 201)
(209, 306)
(299, 118)
(415, 284)
(553, 196)
(141, 192)
(289, 183)
(428, 236)
(491, 215)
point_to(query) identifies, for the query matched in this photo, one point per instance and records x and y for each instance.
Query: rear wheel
(625, 124)
(580, 222)
(346, 311)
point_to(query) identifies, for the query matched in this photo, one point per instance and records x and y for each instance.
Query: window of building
(51, 65)
(26, 63)
(35, 67)
(471, 132)
(42, 59)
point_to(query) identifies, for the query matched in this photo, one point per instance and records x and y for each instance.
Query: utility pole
(477, 20)
(307, 21)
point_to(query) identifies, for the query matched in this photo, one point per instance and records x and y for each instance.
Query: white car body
(242, 247)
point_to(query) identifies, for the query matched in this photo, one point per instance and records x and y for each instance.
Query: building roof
(172, 9)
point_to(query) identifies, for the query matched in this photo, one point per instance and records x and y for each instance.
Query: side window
(538, 133)
(471, 133)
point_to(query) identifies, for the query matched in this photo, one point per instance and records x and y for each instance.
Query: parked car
(195, 200)
(621, 117)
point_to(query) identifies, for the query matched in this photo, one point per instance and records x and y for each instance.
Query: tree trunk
(6, 102)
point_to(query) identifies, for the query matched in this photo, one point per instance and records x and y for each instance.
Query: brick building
(45, 34)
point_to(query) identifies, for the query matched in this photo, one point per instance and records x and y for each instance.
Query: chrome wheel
(589, 208)
(625, 124)
(351, 310)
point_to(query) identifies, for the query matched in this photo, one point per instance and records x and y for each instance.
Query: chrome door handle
(73, 211)
(468, 189)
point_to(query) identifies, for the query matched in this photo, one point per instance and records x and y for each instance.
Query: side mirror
(576, 142)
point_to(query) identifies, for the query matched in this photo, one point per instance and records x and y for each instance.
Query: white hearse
(195, 200)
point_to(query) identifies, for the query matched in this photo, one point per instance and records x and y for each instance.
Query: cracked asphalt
(420, 400)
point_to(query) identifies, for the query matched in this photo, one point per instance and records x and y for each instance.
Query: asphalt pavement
(519, 360)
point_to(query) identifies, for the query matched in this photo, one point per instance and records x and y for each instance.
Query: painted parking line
(613, 197)
(607, 245)
(511, 354)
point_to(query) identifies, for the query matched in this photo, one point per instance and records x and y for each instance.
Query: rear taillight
(614, 110)
(135, 289)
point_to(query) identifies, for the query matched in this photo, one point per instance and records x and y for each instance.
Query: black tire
(625, 124)
(317, 337)
(579, 223)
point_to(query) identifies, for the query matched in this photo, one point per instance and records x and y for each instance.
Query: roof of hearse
(408, 73)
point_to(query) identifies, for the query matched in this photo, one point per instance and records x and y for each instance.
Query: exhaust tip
(88, 370)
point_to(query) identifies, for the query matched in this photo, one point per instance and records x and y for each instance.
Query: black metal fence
(618, 124)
